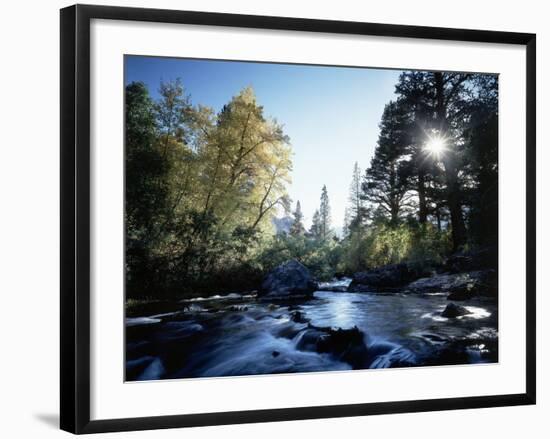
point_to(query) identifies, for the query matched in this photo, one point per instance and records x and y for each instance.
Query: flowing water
(240, 335)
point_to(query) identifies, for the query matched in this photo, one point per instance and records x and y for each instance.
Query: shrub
(383, 243)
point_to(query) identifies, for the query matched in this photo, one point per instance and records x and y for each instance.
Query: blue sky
(331, 114)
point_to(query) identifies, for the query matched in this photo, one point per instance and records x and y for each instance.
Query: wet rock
(298, 317)
(461, 286)
(332, 288)
(387, 277)
(465, 352)
(452, 310)
(437, 283)
(288, 280)
(307, 339)
(287, 330)
(395, 357)
(345, 344)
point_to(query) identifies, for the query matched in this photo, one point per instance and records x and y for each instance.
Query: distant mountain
(282, 225)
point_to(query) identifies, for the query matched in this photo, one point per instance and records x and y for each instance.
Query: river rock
(345, 344)
(388, 277)
(461, 286)
(298, 317)
(288, 280)
(452, 310)
(307, 339)
(333, 288)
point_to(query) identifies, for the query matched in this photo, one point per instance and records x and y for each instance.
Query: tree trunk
(455, 207)
(422, 205)
(438, 216)
(458, 229)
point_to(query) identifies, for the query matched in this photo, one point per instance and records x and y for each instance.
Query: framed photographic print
(267, 218)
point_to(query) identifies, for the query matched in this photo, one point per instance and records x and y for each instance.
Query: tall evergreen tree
(297, 227)
(315, 229)
(482, 146)
(416, 100)
(385, 183)
(443, 100)
(324, 214)
(346, 225)
(357, 210)
(449, 101)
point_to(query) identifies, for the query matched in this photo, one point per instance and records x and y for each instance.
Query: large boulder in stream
(386, 278)
(287, 281)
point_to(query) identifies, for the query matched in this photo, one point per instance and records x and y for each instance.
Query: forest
(207, 206)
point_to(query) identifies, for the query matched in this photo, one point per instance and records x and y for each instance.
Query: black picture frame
(75, 217)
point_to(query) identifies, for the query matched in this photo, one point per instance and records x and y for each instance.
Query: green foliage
(455, 187)
(297, 227)
(386, 183)
(321, 256)
(387, 243)
(201, 189)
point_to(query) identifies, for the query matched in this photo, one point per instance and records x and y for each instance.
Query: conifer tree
(297, 227)
(324, 214)
(385, 183)
(315, 229)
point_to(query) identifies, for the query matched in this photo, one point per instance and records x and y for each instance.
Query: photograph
(295, 218)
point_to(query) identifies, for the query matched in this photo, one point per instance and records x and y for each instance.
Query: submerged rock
(288, 280)
(452, 310)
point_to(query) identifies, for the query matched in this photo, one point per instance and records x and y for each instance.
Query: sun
(436, 146)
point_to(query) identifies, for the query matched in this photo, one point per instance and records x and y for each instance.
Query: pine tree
(324, 214)
(346, 225)
(443, 98)
(357, 212)
(315, 229)
(385, 183)
(355, 199)
(297, 227)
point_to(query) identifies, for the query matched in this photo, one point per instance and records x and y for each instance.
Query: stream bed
(232, 335)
